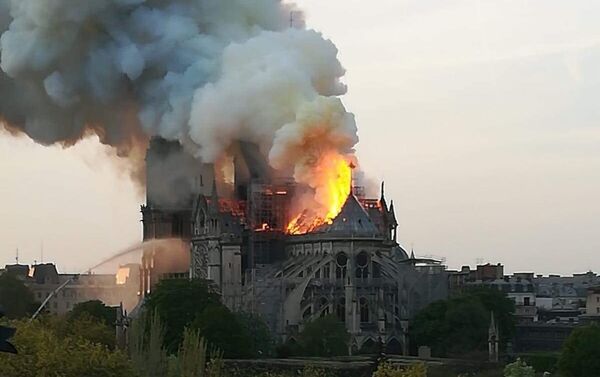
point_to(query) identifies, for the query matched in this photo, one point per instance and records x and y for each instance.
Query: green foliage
(84, 327)
(42, 352)
(262, 344)
(178, 302)
(581, 353)
(518, 369)
(542, 361)
(325, 336)
(452, 327)
(16, 299)
(192, 355)
(460, 325)
(184, 303)
(151, 360)
(307, 371)
(312, 371)
(504, 308)
(146, 346)
(94, 309)
(222, 329)
(387, 369)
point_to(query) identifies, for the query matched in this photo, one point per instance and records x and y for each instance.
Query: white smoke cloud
(265, 83)
(204, 72)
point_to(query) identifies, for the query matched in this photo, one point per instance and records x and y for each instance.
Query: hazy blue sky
(481, 116)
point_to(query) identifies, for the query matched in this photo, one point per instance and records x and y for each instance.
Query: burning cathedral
(250, 150)
(265, 255)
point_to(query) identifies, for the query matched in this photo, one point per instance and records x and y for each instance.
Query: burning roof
(352, 220)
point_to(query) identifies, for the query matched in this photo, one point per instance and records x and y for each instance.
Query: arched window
(364, 309)
(341, 261)
(200, 223)
(362, 265)
(326, 271)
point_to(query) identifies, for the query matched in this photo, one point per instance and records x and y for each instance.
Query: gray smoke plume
(202, 72)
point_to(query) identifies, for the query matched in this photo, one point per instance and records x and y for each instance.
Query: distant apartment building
(563, 298)
(592, 306)
(518, 287)
(111, 289)
(458, 281)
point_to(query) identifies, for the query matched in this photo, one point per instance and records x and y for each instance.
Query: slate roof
(353, 220)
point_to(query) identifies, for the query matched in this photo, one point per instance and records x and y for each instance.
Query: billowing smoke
(203, 72)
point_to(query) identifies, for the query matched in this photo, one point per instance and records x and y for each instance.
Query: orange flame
(332, 182)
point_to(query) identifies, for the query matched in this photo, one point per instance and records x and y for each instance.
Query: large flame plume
(333, 173)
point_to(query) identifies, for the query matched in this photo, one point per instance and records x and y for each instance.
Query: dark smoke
(205, 73)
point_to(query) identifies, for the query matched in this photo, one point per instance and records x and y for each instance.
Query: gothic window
(364, 309)
(341, 261)
(326, 271)
(362, 259)
(362, 265)
(200, 222)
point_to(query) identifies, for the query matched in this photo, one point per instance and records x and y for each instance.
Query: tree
(387, 369)
(5, 334)
(452, 327)
(460, 325)
(151, 360)
(262, 343)
(222, 330)
(178, 302)
(43, 353)
(325, 336)
(518, 369)
(94, 309)
(84, 327)
(15, 297)
(580, 355)
(146, 338)
(504, 309)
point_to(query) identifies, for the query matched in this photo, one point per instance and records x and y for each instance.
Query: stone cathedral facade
(353, 268)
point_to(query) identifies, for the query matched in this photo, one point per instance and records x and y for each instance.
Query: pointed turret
(382, 198)
(214, 197)
(393, 223)
(493, 339)
(393, 214)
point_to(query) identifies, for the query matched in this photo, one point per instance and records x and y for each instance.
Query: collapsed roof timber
(353, 267)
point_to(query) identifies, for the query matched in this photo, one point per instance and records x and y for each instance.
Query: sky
(481, 117)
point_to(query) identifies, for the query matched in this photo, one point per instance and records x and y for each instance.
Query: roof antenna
(17, 257)
(352, 167)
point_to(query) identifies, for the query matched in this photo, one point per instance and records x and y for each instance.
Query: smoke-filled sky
(480, 116)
